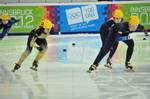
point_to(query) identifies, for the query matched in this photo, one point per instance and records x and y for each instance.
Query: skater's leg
(130, 49)
(22, 58)
(104, 50)
(112, 52)
(42, 50)
(103, 40)
(40, 54)
(103, 36)
(106, 46)
(24, 55)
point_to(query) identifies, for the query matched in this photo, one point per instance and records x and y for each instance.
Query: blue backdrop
(85, 18)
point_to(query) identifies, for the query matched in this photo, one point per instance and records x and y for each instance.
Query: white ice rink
(62, 75)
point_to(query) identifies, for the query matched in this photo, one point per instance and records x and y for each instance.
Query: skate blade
(88, 71)
(33, 68)
(129, 70)
(108, 66)
(13, 70)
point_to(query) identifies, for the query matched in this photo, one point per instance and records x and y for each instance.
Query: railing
(44, 1)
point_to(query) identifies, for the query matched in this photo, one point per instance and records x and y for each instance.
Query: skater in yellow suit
(36, 39)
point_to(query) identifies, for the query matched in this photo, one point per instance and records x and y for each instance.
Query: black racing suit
(37, 36)
(35, 33)
(108, 33)
(6, 27)
(124, 37)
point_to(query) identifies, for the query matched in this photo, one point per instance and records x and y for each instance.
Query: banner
(73, 18)
(82, 18)
(141, 10)
(30, 16)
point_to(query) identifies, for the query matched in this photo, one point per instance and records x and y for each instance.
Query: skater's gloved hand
(35, 45)
(119, 32)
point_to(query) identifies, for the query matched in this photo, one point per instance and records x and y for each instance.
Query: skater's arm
(124, 29)
(34, 35)
(33, 43)
(32, 38)
(144, 30)
(13, 20)
(140, 29)
(113, 29)
(146, 35)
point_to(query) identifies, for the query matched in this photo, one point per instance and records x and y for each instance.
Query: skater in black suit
(108, 33)
(36, 39)
(125, 28)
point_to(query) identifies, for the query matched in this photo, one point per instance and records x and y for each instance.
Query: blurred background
(57, 1)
